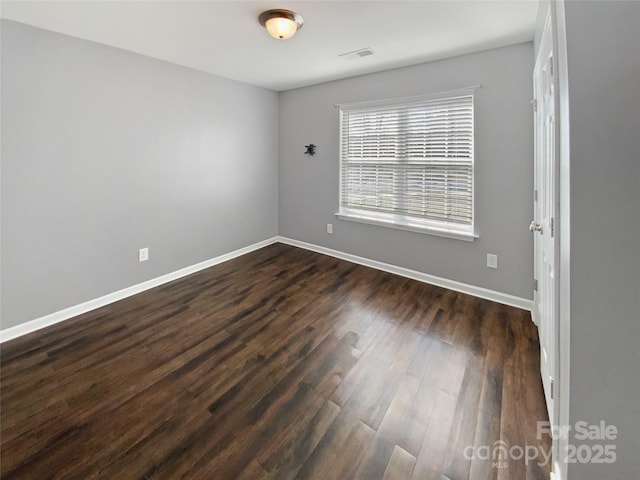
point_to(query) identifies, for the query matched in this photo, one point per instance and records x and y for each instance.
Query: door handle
(535, 227)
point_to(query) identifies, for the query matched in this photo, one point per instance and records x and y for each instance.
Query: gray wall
(603, 40)
(308, 186)
(105, 152)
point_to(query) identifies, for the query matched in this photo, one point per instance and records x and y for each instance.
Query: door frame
(559, 32)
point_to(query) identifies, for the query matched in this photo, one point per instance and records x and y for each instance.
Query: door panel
(543, 227)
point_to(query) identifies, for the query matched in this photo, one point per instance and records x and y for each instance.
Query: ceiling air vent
(363, 52)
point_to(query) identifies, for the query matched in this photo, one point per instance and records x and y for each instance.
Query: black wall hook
(311, 149)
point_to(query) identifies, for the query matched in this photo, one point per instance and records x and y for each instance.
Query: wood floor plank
(285, 460)
(281, 364)
(489, 413)
(375, 459)
(431, 378)
(400, 465)
(340, 451)
(429, 462)
(463, 426)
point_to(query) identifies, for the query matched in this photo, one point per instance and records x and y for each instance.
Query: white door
(543, 228)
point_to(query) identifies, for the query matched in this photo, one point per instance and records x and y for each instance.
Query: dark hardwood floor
(281, 364)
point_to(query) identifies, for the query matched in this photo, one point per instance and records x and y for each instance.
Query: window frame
(407, 222)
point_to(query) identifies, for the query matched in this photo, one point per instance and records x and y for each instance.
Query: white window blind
(409, 163)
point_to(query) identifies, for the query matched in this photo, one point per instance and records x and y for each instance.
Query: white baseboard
(485, 293)
(61, 315)
(65, 314)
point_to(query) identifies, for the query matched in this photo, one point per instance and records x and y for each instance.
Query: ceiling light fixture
(281, 24)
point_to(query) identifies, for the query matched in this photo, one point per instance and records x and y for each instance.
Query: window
(409, 164)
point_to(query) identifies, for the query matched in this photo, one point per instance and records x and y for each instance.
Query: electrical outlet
(492, 260)
(143, 254)
(329, 227)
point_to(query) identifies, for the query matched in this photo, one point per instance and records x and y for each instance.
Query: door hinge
(551, 385)
(534, 102)
(552, 227)
(535, 195)
(535, 285)
(551, 66)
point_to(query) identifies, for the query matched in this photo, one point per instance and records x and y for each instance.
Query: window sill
(427, 230)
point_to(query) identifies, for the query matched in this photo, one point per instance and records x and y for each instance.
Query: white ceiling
(225, 38)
